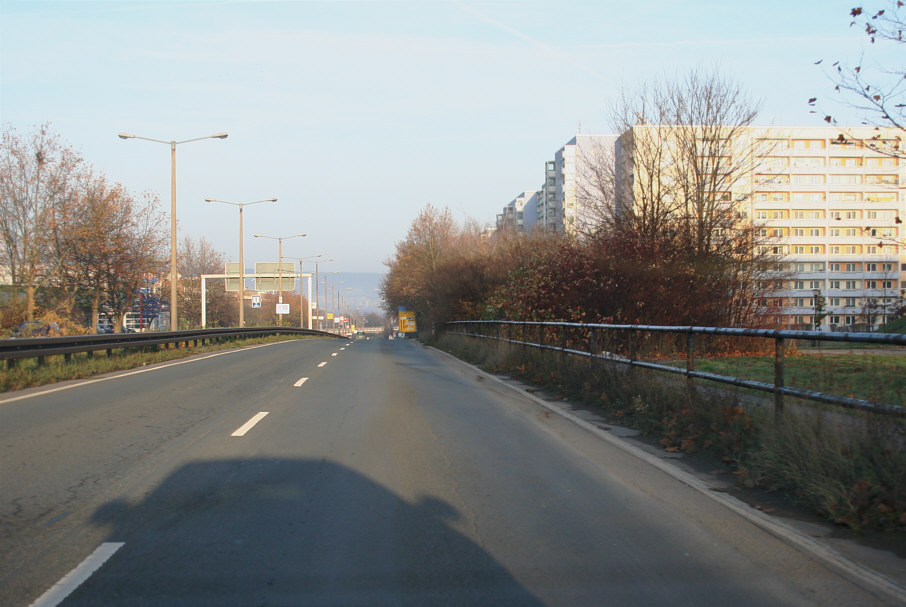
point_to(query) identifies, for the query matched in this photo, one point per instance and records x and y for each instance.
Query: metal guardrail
(38, 347)
(476, 328)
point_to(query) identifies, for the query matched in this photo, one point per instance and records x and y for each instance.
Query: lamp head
(126, 136)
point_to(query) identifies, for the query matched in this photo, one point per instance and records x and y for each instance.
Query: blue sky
(357, 114)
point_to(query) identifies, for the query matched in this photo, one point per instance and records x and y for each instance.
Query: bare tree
(678, 181)
(197, 258)
(412, 278)
(879, 91)
(38, 173)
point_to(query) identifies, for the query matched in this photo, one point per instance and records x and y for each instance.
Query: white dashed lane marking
(250, 424)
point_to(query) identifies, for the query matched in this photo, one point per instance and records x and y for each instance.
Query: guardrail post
(592, 341)
(690, 358)
(541, 335)
(779, 348)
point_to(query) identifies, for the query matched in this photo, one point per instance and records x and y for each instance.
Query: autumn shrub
(849, 467)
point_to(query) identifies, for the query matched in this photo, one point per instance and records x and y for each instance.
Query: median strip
(250, 424)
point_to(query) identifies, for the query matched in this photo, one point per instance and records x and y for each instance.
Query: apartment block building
(831, 209)
(513, 218)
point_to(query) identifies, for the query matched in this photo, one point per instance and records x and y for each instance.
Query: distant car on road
(37, 328)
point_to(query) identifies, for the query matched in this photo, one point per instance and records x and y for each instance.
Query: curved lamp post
(174, 274)
(241, 258)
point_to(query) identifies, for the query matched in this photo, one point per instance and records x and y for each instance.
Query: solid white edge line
(72, 580)
(250, 424)
(779, 529)
(300, 382)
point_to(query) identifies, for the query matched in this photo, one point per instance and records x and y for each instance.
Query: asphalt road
(390, 475)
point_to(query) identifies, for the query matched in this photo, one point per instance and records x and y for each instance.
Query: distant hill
(363, 292)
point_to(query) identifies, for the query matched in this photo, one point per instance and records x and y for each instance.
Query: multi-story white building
(832, 209)
(560, 206)
(513, 216)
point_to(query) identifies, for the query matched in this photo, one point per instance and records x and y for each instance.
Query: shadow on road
(290, 532)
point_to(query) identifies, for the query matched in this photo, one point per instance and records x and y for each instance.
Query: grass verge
(28, 373)
(847, 466)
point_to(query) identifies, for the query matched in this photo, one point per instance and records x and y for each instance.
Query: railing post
(509, 332)
(541, 335)
(690, 356)
(779, 348)
(592, 340)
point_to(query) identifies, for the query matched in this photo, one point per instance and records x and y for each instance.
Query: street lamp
(174, 320)
(279, 240)
(318, 289)
(241, 258)
(301, 295)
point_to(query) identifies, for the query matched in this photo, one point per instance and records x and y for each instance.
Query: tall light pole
(318, 289)
(241, 258)
(174, 318)
(279, 240)
(301, 296)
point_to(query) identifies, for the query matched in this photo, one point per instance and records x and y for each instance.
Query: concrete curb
(815, 548)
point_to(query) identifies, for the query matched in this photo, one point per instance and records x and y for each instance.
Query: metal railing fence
(596, 341)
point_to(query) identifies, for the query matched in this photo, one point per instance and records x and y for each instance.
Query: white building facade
(831, 207)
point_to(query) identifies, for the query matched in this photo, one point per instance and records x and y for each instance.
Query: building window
(851, 267)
